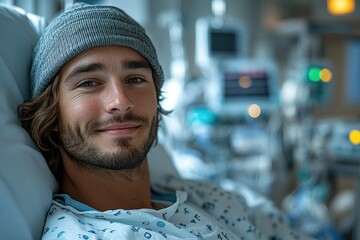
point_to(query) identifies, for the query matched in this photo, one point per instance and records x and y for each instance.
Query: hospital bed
(26, 183)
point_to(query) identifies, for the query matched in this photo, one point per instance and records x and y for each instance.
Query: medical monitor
(241, 84)
(217, 41)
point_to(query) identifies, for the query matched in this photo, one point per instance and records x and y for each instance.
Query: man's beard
(85, 153)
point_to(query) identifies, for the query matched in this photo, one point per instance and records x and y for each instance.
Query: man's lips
(120, 128)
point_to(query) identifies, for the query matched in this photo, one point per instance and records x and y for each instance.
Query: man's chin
(110, 146)
(125, 159)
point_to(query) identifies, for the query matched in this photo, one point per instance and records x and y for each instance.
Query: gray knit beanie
(82, 27)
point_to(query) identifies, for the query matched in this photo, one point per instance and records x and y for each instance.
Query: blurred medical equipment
(219, 39)
(236, 125)
(233, 126)
(317, 143)
(224, 125)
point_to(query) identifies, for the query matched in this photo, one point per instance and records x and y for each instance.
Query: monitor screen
(246, 84)
(217, 42)
(223, 42)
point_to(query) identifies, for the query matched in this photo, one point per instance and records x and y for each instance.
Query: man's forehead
(127, 57)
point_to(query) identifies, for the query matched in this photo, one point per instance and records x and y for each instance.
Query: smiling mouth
(125, 129)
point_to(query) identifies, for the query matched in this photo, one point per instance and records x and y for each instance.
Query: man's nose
(117, 98)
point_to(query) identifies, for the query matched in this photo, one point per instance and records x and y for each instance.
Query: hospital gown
(195, 210)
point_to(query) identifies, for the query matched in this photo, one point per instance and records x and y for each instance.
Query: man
(94, 115)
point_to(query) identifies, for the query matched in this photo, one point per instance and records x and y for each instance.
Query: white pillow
(26, 183)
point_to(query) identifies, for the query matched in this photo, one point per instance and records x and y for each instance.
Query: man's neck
(107, 189)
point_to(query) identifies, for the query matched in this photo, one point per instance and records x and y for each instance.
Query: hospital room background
(265, 94)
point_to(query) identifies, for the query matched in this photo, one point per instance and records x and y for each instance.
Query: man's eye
(134, 80)
(87, 84)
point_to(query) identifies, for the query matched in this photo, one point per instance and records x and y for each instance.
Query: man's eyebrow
(136, 64)
(93, 67)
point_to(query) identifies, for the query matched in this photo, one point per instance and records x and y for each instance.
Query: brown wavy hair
(39, 117)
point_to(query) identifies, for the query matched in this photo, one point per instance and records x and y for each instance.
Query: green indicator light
(314, 74)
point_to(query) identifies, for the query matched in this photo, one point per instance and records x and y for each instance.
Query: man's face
(107, 108)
